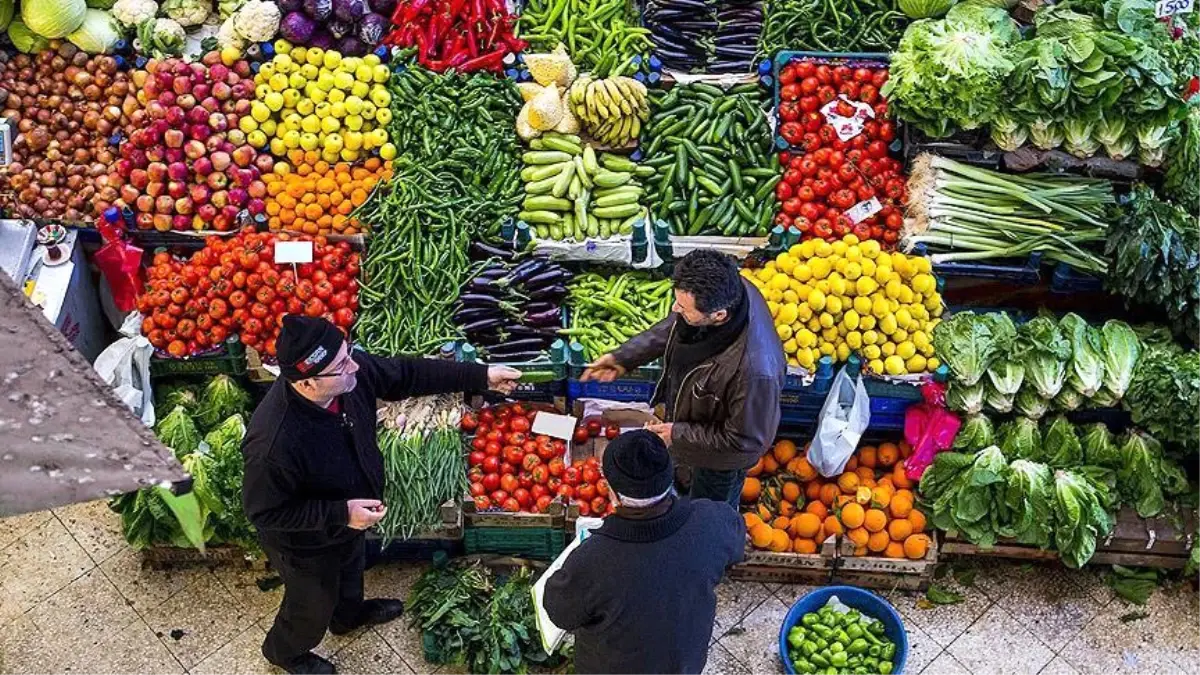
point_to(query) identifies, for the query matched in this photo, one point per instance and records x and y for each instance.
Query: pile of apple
(186, 165)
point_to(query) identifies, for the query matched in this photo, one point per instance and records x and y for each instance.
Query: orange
(751, 490)
(905, 449)
(818, 509)
(864, 474)
(881, 497)
(878, 541)
(781, 523)
(763, 512)
(770, 466)
(905, 493)
(832, 526)
(805, 470)
(863, 495)
(813, 490)
(899, 529)
(886, 480)
(807, 524)
(751, 519)
(901, 506)
(867, 457)
(852, 463)
(848, 482)
(804, 545)
(756, 469)
(853, 515)
(784, 451)
(787, 508)
(829, 492)
(894, 550)
(899, 479)
(842, 500)
(874, 520)
(917, 519)
(761, 535)
(791, 491)
(780, 541)
(860, 550)
(889, 454)
(859, 536)
(916, 546)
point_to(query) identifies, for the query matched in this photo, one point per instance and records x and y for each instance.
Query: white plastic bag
(125, 366)
(844, 418)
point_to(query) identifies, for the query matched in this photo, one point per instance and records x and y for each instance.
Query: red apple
(199, 194)
(144, 220)
(174, 138)
(129, 193)
(243, 156)
(184, 206)
(177, 189)
(177, 171)
(162, 222)
(164, 204)
(264, 162)
(216, 180)
(220, 198)
(195, 149)
(202, 166)
(144, 203)
(220, 160)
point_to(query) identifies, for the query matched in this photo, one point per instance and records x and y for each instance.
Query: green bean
(605, 312)
(831, 26)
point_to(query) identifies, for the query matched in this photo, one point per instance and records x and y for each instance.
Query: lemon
(854, 339)
(906, 295)
(865, 285)
(256, 138)
(833, 304)
(247, 124)
(805, 359)
(853, 253)
(883, 273)
(808, 248)
(862, 304)
(827, 349)
(868, 268)
(887, 323)
(920, 339)
(804, 313)
(837, 286)
(905, 350)
(870, 337)
(852, 271)
(919, 313)
(903, 318)
(310, 125)
(788, 313)
(875, 366)
(867, 322)
(927, 351)
(872, 352)
(916, 364)
(789, 347)
(842, 352)
(894, 365)
(306, 106)
(888, 348)
(870, 248)
(932, 363)
(826, 320)
(924, 284)
(784, 332)
(823, 286)
(893, 305)
(842, 330)
(814, 324)
(785, 263)
(879, 306)
(297, 80)
(816, 300)
(309, 141)
(779, 282)
(772, 294)
(823, 249)
(805, 338)
(802, 272)
(291, 139)
(790, 295)
(921, 265)
(343, 80)
(830, 335)
(774, 308)
(839, 248)
(851, 319)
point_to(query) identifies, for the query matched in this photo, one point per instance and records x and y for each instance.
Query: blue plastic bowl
(856, 598)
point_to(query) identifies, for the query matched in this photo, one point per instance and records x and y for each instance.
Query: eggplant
(528, 270)
(545, 319)
(486, 285)
(519, 357)
(518, 331)
(478, 300)
(551, 277)
(548, 293)
(481, 325)
(539, 307)
(487, 251)
(524, 344)
(470, 314)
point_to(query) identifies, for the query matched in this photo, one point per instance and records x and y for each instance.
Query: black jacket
(726, 410)
(640, 595)
(303, 462)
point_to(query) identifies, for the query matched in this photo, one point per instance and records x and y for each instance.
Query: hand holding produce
(63, 107)
(712, 150)
(605, 312)
(449, 34)
(851, 297)
(840, 641)
(792, 509)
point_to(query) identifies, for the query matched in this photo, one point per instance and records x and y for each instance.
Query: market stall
(976, 218)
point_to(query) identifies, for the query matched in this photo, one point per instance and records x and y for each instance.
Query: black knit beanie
(306, 345)
(637, 465)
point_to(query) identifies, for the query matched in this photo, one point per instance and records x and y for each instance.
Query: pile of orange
(789, 507)
(307, 194)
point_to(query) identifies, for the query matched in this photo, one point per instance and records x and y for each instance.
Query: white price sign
(863, 210)
(851, 126)
(295, 252)
(1172, 7)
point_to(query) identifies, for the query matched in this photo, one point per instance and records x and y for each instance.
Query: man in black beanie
(314, 477)
(640, 593)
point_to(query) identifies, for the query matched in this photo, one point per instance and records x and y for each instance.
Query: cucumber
(608, 179)
(561, 145)
(616, 163)
(621, 211)
(536, 172)
(564, 180)
(645, 171)
(542, 187)
(540, 217)
(582, 174)
(546, 203)
(618, 199)
(545, 157)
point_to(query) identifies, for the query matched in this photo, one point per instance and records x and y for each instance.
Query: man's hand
(364, 513)
(663, 431)
(503, 379)
(603, 369)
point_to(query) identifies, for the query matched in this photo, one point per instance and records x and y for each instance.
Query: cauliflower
(133, 12)
(257, 20)
(226, 8)
(161, 37)
(227, 36)
(187, 13)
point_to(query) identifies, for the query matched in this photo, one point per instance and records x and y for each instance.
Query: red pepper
(490, 61)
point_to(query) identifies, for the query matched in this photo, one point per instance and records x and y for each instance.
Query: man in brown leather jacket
(723, 369)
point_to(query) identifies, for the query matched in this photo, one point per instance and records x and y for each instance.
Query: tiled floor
(74, 598)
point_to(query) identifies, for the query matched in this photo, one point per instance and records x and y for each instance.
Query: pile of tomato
(513, 469)
(233, 287)
(824, 176)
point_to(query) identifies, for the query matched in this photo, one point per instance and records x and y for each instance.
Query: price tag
(554, 426)
(847, 127)
(293, 252)
(863, 210)
(5, 143)
(1172, 7)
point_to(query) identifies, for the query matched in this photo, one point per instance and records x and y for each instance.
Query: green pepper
(885, 667)
(803, 666)
(822, 643)
(843, 638)
(871, 664)
(889, 650)
(808, 647)
(839, 659)
(823, 630)
(876, 627)
(858, 646)
(853, 614)
(809, 620)
(872, 638)
(854, 631)
(832, 670)
(875, 650)
(795, 639)
(861, 671)
(819, 661)
(837, 648)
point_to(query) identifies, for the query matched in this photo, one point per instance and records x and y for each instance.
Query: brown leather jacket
(726, 412)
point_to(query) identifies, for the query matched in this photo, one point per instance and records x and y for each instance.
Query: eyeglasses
(341, 368)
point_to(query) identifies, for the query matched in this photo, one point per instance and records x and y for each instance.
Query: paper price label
(554, 426)
(1172, 7)
(863, 210)
(847, 127)
(293, 252)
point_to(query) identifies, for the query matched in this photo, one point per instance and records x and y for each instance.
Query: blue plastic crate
(1067, 279)
(626, 391)
(1024, 272)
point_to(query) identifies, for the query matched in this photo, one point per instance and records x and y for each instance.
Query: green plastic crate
(229, 360)
(538, 543)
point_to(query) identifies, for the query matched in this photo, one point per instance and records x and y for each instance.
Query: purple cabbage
(351, 46)
(349, 10)
(289, 6)
(321, 38)
(297, 28)
(318, 10)
(372, 28)
(339, 29)
(384, 7)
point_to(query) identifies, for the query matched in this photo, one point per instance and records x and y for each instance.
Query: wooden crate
(791, 568)
(885, 573)
(1135, 541)
(555, 517)
(173, 557)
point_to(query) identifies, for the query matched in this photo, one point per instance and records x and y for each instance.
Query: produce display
(233, 287)
(605, 312)
(713, 152)
(465, 36)
(573, 192)
(1184, 156)
(63, 107)
(705, 35)
(319, 197)
(422, 460)
(789, 507)
(851, 297)
(976, 214)
(1042, 364)
(841, 640)
(602, 36)
(840, 178)
(320, 100)
(511, 310)
(855, 26)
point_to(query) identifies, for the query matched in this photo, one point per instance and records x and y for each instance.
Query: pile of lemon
(314, 99)
(851, 297)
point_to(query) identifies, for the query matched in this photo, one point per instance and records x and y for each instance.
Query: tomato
(790, 92)
(783, 191)
(523, 497)
(805, 68)
(864, 192)
(520, 424)
(803, 224)
(783, 220)
(543, 503)
(809, 86)
(581, 434)
(826, 94)
(842, 73)
(862, 231)
(468, 422)
(822, 187)
(344, 317)
(590, 474)
(511, 505)
(546, 452)
(813, 121)
(482, 503)
(792, 177)
(525, 479)
(862, 75)
(880, 77)
(887, 131)
(850, 90)
(586, 491)
(599, 505)
(894, 222)
(602, 487)
(822, 228)
(508, 482)
(476, 458)
(493, 435)
(792, 206)
(584, 508)
(792, 132)
(477, 489)
(810, 104)
(824, 74)
(810, 211)
(787, 75)
(530, 461)
(789, 111)
(810, 142)
(841, 226)
(571, 476)
(565, 491)
(514, 455)
(612, 431)
(491, 463)
(304, 290)
(540, 474)
(491, 481)
(869, 93)
(891, 236)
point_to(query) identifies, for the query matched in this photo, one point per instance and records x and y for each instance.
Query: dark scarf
(696, 344)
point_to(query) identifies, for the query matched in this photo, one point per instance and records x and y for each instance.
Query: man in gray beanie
(640, 593)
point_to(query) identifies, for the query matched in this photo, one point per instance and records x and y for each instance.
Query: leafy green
(975, 433)
(1120, 348)
(1067, 400)
(1046, 360)
(1139, 474)
(225, 476)
(1100, 446)
(1180, 184)
(1028, 495)
(1132, 585)
(171, 396)
(982, 493)
(965, 398)
(1060, 445)
(1006, 372)
(925, 9)
(178, 432)
(1079, 518)
(1030, 403)
(1164, 397)
(942, 596)
(1020, 438)
(1086, 372)
(940, 475)
(968, 342)
(995, 400)
(221, 398)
